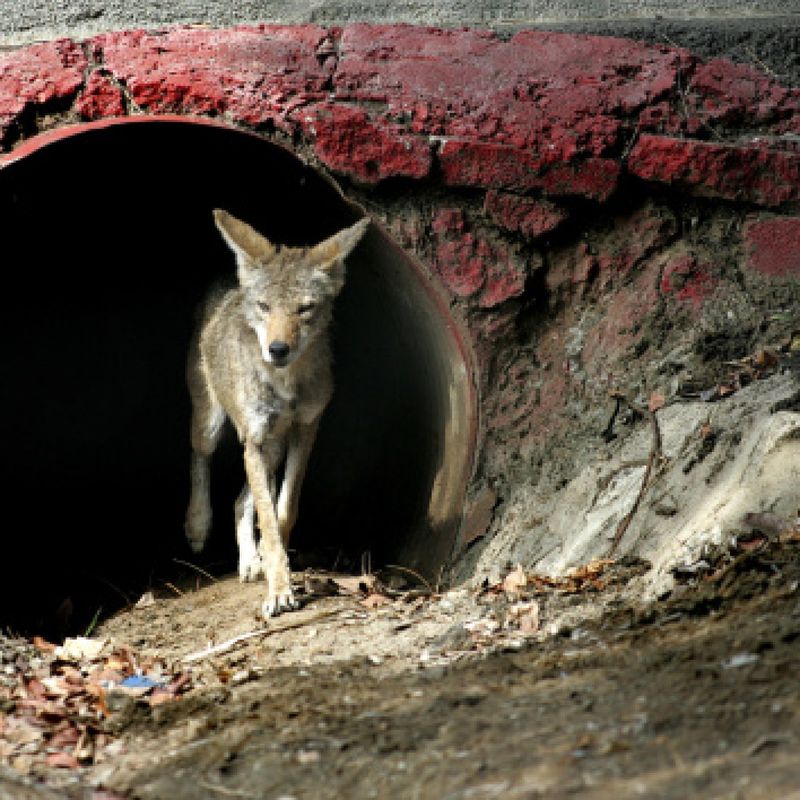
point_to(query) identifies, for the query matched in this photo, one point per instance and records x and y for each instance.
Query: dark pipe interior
(107, 248)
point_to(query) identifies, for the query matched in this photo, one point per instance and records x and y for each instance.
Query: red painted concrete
(540, 111)
(101, 98)
(687, 281)
(773, 246)
(524, 215)
(553, 115)
(252, 75)
(38, 76)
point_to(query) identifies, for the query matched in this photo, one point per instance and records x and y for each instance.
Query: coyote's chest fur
(261, 358)
(261, 399)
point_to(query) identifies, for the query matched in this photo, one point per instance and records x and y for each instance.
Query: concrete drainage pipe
(108, 247)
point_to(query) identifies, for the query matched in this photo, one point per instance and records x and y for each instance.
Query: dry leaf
(515, 581)
(766, 359)
(18, 732)
(34, 688)
(656, 401)
(145, 601)
(375, 600)
(526, 615)
(725, 389)
(43, 644)
(66, 737)
(80, 648)
(181, 683)
(160, 696)
(751, 543)
(23, 763)
(355, 584)
(63, 760)
(484, 627)
(593, 569)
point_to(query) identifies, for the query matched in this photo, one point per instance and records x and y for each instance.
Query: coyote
(261, 357)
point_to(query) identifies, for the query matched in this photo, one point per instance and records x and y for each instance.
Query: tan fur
(261, 358)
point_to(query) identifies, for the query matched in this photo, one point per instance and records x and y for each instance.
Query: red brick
(721, 92)
(493, 166)
(348, 141)
(752, 174)
(544, 92)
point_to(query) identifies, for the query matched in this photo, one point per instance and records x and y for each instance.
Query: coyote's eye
(306, 308)
(263, 306)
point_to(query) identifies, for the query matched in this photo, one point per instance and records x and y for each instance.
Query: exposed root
(653, 458)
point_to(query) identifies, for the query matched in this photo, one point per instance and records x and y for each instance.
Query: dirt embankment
(462, 695)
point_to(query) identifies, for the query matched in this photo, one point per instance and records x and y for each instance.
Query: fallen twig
(655, 455)
(195, 568)
(414, 574)
(224, 790)
(93, 623)
(229, 644)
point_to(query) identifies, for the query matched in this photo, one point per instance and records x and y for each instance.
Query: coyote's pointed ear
(249, 246)
(330, 254)
(340, 245)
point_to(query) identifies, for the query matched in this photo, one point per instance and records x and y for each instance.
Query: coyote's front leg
(298, 450)
(280, 596)
(250, 565)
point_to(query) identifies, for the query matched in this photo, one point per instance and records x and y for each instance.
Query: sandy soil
(461, 695)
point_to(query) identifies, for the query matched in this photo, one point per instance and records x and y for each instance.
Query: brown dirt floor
(693, 696)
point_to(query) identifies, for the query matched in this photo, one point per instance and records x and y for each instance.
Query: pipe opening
(108, 248)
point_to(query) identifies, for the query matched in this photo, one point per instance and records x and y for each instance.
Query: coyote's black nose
(279, 350)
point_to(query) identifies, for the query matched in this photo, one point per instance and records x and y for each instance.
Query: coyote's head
(288, 292)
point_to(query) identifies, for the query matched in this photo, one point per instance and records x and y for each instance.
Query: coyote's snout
(261, 358)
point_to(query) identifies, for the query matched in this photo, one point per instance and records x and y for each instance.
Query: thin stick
(174, 588)
(215, 787)
(196, 568)
(752, 53)
(655, 453)
(223, 647)
(114, 588)
(419, 577)
(93, 623)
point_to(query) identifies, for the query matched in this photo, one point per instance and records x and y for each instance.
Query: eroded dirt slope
(456, 697)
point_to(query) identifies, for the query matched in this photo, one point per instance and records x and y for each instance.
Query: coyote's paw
(198, 525)
(275, 603)
(251, 568)
(196, 536)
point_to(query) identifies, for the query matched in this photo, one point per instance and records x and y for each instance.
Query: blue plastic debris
(139, 682)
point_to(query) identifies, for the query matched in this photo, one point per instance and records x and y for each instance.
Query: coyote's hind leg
(207, 421)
